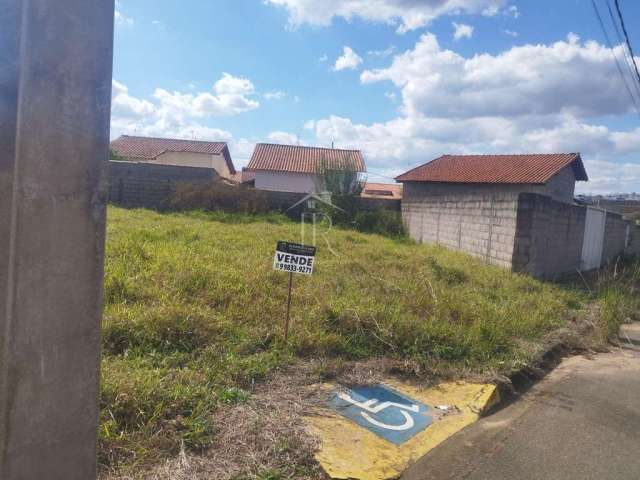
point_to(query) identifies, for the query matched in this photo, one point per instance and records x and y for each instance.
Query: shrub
(219, 196)
(349, 214)
(382, 222)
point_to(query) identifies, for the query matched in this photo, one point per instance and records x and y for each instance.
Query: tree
(339, 179)
(113, 155)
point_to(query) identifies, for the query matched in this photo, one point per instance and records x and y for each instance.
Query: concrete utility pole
(55, 91)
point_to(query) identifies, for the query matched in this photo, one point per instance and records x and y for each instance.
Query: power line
(626, 36)
(609, 43)
(628, 61)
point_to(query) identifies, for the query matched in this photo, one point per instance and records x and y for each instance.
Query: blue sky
(403, 80)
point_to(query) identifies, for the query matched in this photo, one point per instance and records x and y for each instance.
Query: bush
(219, 196)
(350, 215)
(382, 222)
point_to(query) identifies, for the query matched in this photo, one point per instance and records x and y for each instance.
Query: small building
(244, 177)
(382, 191)
(292, 168)
(516, 211)
(553, 175)
(170, 151)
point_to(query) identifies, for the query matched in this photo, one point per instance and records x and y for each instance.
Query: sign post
(293, 258)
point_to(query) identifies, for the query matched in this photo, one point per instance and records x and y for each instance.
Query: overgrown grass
(194, 315)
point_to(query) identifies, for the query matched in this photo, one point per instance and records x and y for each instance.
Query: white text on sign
(291, 258)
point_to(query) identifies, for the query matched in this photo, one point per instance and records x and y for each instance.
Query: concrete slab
(351, 449)
(582, 422)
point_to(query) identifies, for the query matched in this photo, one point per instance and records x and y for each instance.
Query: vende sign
(294, 258)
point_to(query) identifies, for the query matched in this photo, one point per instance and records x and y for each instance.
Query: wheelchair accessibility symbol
(383, 411)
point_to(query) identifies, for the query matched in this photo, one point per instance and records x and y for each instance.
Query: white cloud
(404, 14)
(391, 96)
(531, 98)
(610, 177)
(348, 60)
(383, 53)
(241, 151)
(283, 138)
(512, 11)
(275, 95)
(310, 125)
(627, 142)
(564, 77)
(125, 105)
(511, 33)
(323, 58)
(493, 10)
(462, 31)
(122, 20)
(179, 114)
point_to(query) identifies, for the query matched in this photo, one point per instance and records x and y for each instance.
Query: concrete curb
(522, 380)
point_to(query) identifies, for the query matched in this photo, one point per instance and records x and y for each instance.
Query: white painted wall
(286, 181)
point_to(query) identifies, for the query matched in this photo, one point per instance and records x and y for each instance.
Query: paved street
(582, 422)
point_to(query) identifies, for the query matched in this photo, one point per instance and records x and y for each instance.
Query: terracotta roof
(245, 176)
(504, 169)
(292, 158)
(149, 148)
(391, 191)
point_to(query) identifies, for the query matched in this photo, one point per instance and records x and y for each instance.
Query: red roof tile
(382, 190)
(292, 158)
(504, 169)
(149, 148)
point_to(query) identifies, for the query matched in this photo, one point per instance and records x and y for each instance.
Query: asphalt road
(581, 422)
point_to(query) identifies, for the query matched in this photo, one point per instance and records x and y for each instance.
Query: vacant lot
(194, 316)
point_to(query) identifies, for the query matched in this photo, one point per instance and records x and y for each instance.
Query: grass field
(194, 315)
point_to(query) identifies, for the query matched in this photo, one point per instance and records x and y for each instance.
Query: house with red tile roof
(293, 168)
(517, 211)
(554, 175)
(171, 151)
(382, 191)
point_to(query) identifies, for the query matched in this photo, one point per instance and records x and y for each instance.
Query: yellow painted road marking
(348, 451)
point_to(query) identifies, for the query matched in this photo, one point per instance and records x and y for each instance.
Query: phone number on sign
(293, 268)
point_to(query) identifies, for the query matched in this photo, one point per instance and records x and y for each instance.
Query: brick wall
(615, 237)
(479, 220)
(549, 236)
(147, 185)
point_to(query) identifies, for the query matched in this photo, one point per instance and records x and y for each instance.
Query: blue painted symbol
(385, 412)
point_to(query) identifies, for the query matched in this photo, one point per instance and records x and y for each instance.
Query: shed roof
(391, 191)
(149, 148)
(297, 159)
(500, 169)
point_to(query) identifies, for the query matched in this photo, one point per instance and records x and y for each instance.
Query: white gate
(593, 238)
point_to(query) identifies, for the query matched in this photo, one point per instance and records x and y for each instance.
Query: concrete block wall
(528, 232)
(373, 204)
(615, 237)
(147, 185)
(633, 246)
(549, 236)
(477, 220)
(151, 185)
